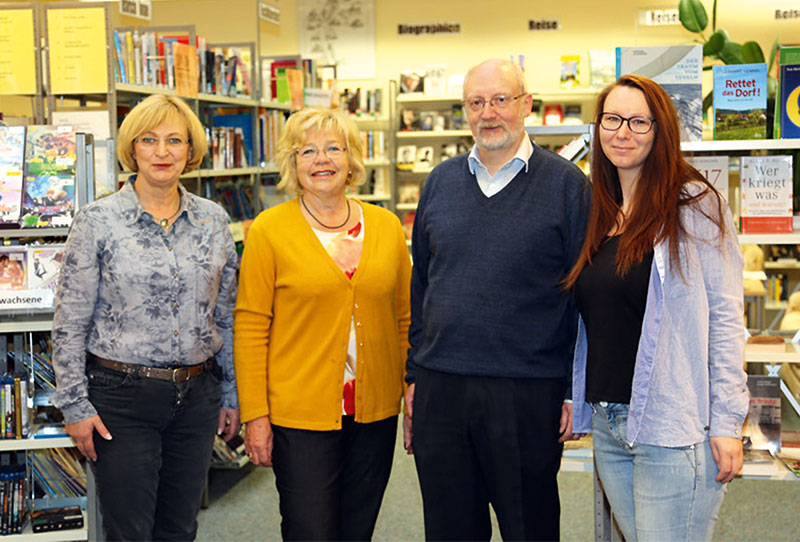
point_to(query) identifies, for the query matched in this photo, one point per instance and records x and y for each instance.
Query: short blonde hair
(152, 112)
(325, 120)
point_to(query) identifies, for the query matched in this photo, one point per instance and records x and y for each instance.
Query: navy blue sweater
(485, 293)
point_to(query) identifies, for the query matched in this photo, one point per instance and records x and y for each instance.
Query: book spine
(17, 409)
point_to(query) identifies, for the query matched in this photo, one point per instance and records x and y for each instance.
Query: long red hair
(659, 193)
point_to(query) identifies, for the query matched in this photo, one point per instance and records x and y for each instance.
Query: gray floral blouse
(130, 292)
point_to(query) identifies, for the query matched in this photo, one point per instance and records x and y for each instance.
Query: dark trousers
(150, 476)
(481, 440)
(331, 483)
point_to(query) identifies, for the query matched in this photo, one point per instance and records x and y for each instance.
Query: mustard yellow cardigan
(292, 321)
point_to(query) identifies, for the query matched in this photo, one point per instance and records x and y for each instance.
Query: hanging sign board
(77, 50)
(543, 25)
(269, 13)
(141, 9)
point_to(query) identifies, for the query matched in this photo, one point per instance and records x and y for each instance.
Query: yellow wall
(487, 30)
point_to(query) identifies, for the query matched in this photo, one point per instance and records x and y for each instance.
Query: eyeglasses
(638, 124)
(310, 153)
(171, 143)
(501, 101)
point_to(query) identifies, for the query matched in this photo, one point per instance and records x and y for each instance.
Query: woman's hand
(82, 433)
(228, 424)
(407, 434)
(728, 454)
(258, 441)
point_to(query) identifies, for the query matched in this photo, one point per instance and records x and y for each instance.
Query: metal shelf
(34, 232)
(740, 145)
(18, 445)
(433, 134)
(23, 323)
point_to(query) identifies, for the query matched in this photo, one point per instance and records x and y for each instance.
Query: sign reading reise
(537, 25)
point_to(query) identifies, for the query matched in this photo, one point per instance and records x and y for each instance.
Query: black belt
(175, 374)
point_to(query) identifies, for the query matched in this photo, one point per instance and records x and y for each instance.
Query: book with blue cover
(790, 101)
(679, 71)
(740, 101)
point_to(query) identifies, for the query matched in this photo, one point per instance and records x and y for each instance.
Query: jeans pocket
(106, 380)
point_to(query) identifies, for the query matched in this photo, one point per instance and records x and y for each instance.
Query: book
(762, 427)
(765, 343)
(408, 192)
(766, 194)
(790, 457)
(44, 264)
(409, 120)
(714, 169)
(49, 192)
(740, 101)
(553, 115)
(570, 65)
(602, 67)
(12, 268)
(790, 101)
(759, 463)
(412, 81)
(679, 71)
(436, 80)
(784, 55)
(12, 158)
(408, 223)
(406, 156)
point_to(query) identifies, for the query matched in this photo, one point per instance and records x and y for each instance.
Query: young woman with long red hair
(658, 370)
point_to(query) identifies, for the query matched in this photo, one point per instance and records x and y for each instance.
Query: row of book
(777, 287)
(414, 120)
(270, 128)
(14, 408)
(739, 94)
(30, 267)
(228, 148)
(374, 144)
(13, 501)
(170, 61)
(238, 202)
(57, 473)
(37, 176)
(362, 103)
(766, 189)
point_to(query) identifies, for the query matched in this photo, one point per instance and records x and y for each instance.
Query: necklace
(164, 222)
(346, 220)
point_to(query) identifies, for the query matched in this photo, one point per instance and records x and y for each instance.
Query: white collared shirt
(492, 184)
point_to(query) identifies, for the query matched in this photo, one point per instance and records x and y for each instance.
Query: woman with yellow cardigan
(321, 333)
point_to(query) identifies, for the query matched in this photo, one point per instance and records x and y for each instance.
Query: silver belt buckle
(180, 371)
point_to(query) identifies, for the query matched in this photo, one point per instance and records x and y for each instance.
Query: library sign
(543, 25)
(26, 299)
(428, 29)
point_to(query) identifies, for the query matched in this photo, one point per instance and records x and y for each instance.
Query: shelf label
(782, 14)
(26, 299)
(141, 9)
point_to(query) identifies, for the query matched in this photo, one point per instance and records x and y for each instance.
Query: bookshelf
(377, 132)
(17, 327)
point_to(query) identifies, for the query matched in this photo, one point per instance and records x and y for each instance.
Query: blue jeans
(655, 492)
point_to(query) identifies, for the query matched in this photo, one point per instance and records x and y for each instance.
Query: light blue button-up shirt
(492, 184)
(689, 381)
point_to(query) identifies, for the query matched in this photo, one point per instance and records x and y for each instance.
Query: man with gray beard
(492, 330)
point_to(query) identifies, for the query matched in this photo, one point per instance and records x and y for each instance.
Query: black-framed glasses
(637, 124)
(501, 101)
(310, 152)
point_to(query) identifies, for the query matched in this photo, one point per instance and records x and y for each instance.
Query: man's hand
(407, 433)
(258, 441)
(82, 433)
(727, 452)
(565, 424)
(228, 423)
